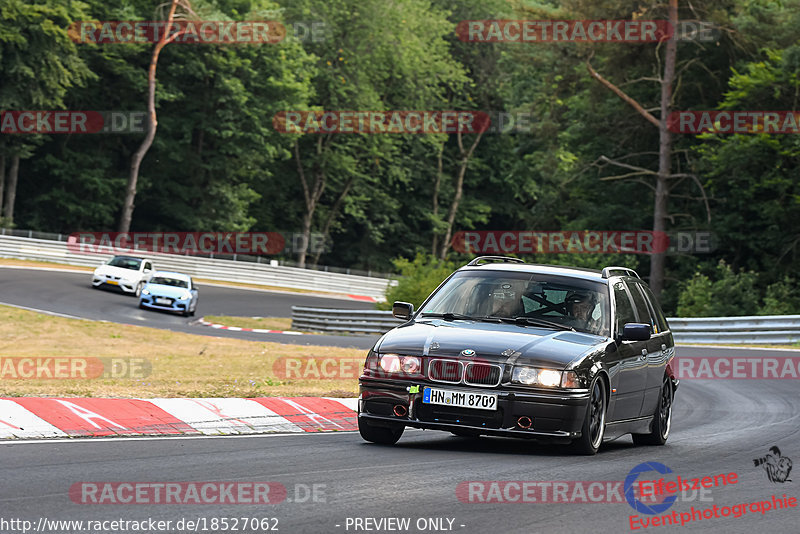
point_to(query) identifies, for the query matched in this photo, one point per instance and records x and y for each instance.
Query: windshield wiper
(534, 321)
(451, 316)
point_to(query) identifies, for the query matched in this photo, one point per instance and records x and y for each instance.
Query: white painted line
(89, 439)
(37, 310)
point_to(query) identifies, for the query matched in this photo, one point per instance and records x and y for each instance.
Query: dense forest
(591, 154)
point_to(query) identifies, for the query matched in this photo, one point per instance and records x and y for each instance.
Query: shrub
(729, 294)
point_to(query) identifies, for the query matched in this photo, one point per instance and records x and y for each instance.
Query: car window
(661, 320)
(625, 313)
(125, 263)
(148, 266)
(575, 303)
(642, 309)
(165, 281)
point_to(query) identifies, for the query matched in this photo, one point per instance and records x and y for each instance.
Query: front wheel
(662, 419)
(379, 434)
(138, 291)
(594, 424)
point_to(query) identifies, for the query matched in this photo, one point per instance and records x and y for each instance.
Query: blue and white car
(170, 291)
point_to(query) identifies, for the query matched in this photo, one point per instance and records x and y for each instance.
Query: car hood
(117, 271)
(492, 342)
(166, 291)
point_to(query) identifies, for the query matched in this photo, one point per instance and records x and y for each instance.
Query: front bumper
(554, 415)
(126, 286)
(175, 305)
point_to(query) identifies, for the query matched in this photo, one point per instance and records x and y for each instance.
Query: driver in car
(580, 305)
(506, 301)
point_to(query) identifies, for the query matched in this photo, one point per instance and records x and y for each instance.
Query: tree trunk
(311, 197)
(326, 228)
(11, 193)
(658, 260)
(436, 186)
(462, 171)
(152, 123)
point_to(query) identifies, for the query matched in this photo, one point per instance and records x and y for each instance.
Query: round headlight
(390, 363)
(410, 365)
(549, 378)
(525, 375)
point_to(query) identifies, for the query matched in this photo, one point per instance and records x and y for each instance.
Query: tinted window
(148, 266)
(662, 321)
(572, 302)
(642, 310)
(125, 263)
(624, 308)
(174, 282)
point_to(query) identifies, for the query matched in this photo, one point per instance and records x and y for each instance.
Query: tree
(40, 64)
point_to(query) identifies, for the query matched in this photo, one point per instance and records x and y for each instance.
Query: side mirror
(636, 332)
(403, 310)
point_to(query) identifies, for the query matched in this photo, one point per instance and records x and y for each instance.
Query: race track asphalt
(719, 426)
(70, 293)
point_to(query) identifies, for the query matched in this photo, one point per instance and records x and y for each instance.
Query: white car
(128, 273)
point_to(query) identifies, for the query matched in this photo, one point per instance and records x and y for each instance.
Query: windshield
(174, 282)
(125, 263)
(526, 297)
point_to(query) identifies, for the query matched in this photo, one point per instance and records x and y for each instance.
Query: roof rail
(499, 259)
(608, 272)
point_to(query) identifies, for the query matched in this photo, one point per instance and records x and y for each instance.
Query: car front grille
(471, 373)
(445, 371)
(481, 374)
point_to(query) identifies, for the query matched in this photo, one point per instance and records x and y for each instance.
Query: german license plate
(163, 301)
(460, 399)
(112, 282)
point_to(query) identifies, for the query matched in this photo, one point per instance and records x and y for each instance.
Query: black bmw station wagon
(507, 348)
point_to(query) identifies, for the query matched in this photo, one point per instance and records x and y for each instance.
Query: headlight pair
(534, 376)
(394, 364)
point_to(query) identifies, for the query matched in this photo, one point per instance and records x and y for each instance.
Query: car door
(629, 361)
(659, 346)
(655, 363)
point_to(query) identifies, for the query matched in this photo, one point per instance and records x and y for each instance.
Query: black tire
(662, 418)
(141, 306)
(379, 434)
(594, 424)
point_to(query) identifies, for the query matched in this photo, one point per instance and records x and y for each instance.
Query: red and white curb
(36, 417)
(256, 330)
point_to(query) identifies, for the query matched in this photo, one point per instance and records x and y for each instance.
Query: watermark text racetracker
(73, 368)
(562, 492)
(582, 242)
(582, 31)
(402, 122)
(72, 122)
(736, 367)
(252, 243)
(196, 31)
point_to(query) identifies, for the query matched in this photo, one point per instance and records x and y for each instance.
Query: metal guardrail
(330, 320)
(767, 329)
(240, 271)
